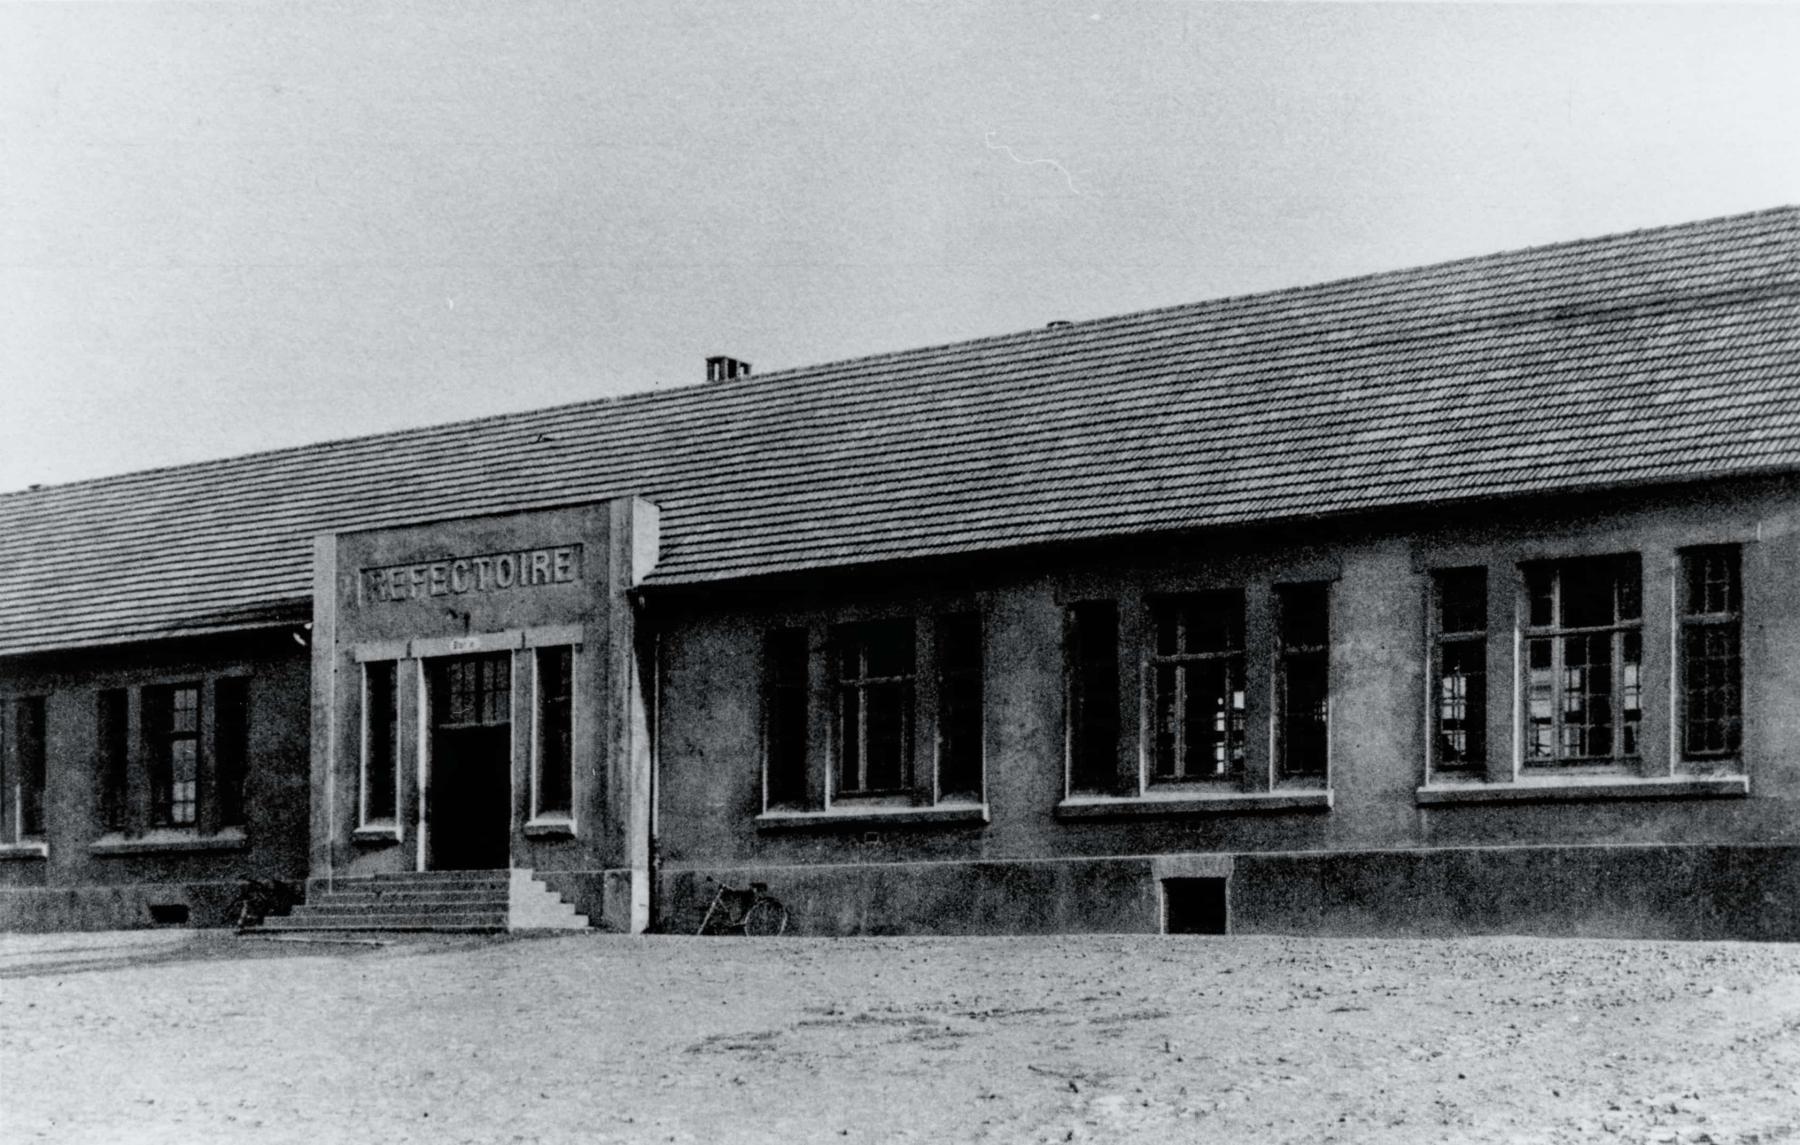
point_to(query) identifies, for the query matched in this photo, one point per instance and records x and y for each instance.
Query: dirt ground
(203, 1037)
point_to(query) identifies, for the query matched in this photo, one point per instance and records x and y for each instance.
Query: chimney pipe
(720, 368)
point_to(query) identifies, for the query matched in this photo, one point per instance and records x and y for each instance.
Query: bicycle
(750, 911)
(257, 901)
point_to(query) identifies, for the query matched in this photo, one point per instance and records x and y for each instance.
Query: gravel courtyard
(203, 1037)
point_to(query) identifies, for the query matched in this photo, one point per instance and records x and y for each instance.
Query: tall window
(1093, 697)
(1305, 674)
(1197, 687)
(231, 746)
(875, 705)
(959, 706)
(23, 801)
(173, 715)
(1584, 656)
(555, 731)
(381, 742)
(113, 734)
(1711, 652)
(1459, 631)
(784, 718)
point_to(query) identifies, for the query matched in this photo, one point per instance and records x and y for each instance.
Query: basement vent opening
(1195, 906)
(169, 913)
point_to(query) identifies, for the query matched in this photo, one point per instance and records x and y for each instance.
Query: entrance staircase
(460, 901)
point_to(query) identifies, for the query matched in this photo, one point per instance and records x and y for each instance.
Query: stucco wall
(711, 710)
(107, 884)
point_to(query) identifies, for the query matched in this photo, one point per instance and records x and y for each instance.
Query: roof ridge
(690, 389)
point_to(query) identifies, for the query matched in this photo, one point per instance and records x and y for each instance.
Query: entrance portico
(478, 704)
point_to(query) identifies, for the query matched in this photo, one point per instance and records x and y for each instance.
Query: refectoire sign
(459, 576)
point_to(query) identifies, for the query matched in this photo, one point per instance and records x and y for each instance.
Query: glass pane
(850, 739)
(888, 648)
(1588, 588)
(1094, 696)
(1711, 688)
(1304, 716)
(1305, 616)
(1540, 588)
(1462, 704)
(787, 726)
(888, 730)
(1462, 600)
(1165, 720)
(1541, 700)
(556, 730)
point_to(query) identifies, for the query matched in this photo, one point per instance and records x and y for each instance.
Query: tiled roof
(1659, 355)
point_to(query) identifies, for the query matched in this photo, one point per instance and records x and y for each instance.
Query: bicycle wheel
(766, 919)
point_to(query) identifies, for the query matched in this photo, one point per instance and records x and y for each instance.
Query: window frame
(1557, 633)
(1181, 662)
(24, 771)
(541, 700)
(1688, 619)
(366, 821)
(805, 786)
(1475, 765)
(160, 738)
(855, 637)
(1288, 654)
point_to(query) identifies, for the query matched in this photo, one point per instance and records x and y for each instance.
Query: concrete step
(432, 900)
(387, 910)
(463, 920)
(400, 898)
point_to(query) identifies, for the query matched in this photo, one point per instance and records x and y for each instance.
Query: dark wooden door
(469, 801)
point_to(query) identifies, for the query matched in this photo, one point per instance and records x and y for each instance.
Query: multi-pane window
(473, 691)
(1459, 701)
(1197, 687)
(22, 802)
(959, 687)
(784, 719)
(875, 662)
(113, 734)
(1711, 652)
(555, 731)
(1093, 699)
(1584, 657)
(1304, 638)
(173, 715)
(381, 742)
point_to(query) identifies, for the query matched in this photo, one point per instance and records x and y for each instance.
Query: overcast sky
(229, 228)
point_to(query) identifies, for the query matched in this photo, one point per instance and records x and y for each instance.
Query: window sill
(550, 829)
(24, 851)
(841, 818)
(166, 841)
(377, 834)
(1576, 791)
(1078, 807)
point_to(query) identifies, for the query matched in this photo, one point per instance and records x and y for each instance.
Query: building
(1457, 599)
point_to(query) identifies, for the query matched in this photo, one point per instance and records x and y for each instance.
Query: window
(231, 748)
(784, 718)
(1711, 593)
(874, 707)
(113, 733)
(1459, 662)
(1093, 695)
(959, 706)
(555, 732)
(1584, 657)
(1304, 671)
(1197, 687)
(173, 715)
(872, 716)
(22, 788)
(381, 746)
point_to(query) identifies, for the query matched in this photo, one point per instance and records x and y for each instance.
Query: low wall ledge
(1576, 791)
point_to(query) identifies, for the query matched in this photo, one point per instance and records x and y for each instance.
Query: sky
(227, 228)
